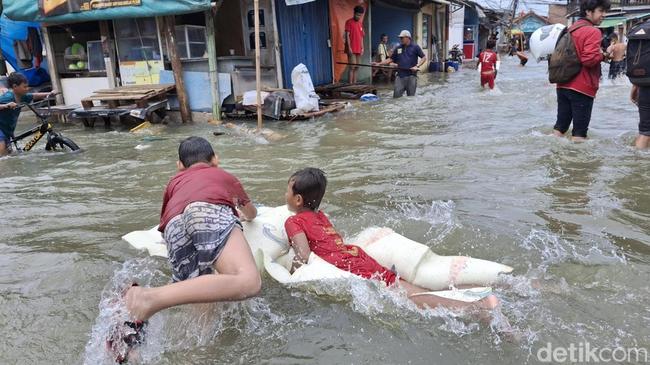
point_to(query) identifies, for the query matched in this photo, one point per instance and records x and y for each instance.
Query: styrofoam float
(413, 261)
(543, 40)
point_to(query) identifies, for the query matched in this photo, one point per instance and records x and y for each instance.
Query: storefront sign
(58, 7)
(140, 72)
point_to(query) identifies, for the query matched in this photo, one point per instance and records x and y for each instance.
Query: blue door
(304, 38)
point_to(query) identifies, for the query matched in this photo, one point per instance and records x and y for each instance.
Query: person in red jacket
(575, 98)
(488, 64)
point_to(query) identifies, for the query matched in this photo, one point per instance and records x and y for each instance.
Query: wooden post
(177, 68)
(258, 71)
(51, 64)
(109, 53)
(212, 65)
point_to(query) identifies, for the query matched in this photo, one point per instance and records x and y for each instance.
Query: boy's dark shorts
(196, 238)
(644, 111)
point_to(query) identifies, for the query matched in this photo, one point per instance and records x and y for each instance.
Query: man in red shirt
(488, 64)
(354, 41)
(575, 98)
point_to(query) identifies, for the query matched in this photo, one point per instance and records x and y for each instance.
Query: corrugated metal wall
(391, 21)
(304, 35)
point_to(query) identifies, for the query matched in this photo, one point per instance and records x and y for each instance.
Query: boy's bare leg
(557, 133)
(578, 139)
(642, 142)
(432, 301)
(237, 279)
(3, 149)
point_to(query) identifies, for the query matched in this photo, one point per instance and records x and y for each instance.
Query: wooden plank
(177, 68)
(116, 97)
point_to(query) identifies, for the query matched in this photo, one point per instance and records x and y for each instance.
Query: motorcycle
(456, 54)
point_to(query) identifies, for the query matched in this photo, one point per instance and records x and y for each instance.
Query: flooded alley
(459, 169)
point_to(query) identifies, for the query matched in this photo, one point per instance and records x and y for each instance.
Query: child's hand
(11, 105)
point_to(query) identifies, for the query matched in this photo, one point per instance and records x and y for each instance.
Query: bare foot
(489, 302)
(557, 133)
(137, 303)
(578, 139)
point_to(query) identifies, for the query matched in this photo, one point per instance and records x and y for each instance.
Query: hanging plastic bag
(303, 91)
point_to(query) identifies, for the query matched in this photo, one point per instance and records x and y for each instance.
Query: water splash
(112, 310)
(439, 215)
(176, 329)
(553, 250)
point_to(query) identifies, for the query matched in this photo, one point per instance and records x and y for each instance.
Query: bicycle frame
(38, 131)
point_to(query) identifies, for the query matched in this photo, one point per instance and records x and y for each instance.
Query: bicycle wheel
(61, 143)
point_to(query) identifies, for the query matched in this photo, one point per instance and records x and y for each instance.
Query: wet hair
(15, 79)
(310, 183)
(591, 5)
(491, 44)
(358, 9)
(194, 150)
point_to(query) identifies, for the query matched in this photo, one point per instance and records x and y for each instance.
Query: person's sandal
(122, 338)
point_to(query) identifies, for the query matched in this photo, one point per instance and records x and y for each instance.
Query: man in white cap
(406, 57)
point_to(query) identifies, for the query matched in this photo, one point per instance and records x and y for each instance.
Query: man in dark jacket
(575, 98)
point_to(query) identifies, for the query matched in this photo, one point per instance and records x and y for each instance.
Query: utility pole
(515, 3)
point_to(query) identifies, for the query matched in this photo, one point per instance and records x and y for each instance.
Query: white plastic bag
(303, 91)
(250, 97)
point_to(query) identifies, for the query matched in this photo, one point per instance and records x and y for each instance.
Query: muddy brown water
(461, 170)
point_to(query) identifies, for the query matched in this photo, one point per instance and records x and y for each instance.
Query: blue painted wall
(531, 24)
(304, 35)
(471, 16)
(198, 89)
(391, 21)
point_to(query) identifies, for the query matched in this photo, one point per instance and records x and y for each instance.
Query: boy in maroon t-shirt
(200, 221)
(309, 230)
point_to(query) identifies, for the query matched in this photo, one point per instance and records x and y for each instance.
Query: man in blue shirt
(9, 111)
(406, 57)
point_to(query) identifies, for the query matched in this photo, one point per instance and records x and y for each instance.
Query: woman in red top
(309, 230)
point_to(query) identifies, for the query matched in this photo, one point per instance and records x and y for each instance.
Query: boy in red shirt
(210, 258)
(353, 38)
(310, 230)
(488, 65)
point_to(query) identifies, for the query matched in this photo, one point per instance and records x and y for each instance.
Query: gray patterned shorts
(196, 237)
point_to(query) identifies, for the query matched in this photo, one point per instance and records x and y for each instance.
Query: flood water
(461, 170)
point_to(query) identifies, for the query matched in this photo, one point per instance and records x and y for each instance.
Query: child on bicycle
(208, 253)
(309, 230)
(18, 93)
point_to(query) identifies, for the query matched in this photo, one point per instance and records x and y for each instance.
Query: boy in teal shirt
(9, 111)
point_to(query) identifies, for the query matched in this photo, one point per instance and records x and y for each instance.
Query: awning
(636, 16)
(71, 11)
(612, 22)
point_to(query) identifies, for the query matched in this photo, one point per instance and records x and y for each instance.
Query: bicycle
(55, 141)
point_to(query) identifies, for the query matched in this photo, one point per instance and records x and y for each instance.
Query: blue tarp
(27, 10)
(11, 31)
